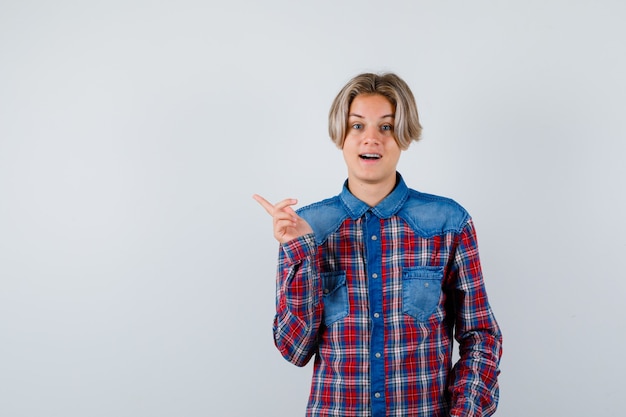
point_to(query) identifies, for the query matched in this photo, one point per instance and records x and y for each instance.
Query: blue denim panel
(430, 215)
(335, 296)
(421, 291)
(324, 217)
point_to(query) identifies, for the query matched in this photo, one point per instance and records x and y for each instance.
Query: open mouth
(370, 156)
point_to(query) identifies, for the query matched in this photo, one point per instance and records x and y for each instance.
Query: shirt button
(377, 395)
(377, 355)
(376, 315)
(326, 291)
(374, 237)
(426, 284)
(374, 275)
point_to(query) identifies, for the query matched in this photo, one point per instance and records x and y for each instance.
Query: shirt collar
(385, 209)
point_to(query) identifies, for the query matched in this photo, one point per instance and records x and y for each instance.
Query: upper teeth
(371, 155)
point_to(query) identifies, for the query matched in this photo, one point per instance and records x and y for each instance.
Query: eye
(387, 128)
(357, 126)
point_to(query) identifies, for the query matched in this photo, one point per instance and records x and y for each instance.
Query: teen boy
(375, 282)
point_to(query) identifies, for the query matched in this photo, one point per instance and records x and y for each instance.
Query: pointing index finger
(269, 207)
(272, 209)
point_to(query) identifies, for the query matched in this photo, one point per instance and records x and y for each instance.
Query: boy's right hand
(287, 224)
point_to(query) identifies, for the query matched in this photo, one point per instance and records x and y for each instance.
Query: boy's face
(370, 148)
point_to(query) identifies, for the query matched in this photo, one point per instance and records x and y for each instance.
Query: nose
(372, 135)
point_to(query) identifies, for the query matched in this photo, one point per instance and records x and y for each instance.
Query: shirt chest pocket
(421, 291)
(335, 296)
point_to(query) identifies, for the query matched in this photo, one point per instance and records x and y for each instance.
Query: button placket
(373, 248)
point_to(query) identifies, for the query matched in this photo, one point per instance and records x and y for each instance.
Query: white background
(136, 272)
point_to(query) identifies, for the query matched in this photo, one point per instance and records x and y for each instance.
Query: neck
(371, 193)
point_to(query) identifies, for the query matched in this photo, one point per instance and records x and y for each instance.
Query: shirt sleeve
(474, 387)
(298, 301)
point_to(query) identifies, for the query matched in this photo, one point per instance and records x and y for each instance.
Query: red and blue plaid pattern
(377, 303)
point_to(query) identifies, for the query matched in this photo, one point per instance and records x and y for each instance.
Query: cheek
(345, 151)
(391, 146)
(349, 144)
(395, 152)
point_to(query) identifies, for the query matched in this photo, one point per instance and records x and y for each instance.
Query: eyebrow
(392, 115)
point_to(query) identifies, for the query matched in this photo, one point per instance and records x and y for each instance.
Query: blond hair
(407, 126)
